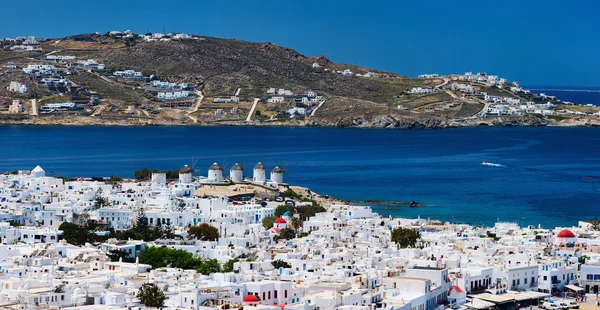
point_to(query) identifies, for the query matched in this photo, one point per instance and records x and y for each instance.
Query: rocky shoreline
(375, 122)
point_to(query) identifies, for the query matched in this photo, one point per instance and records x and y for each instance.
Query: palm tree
(296, 223)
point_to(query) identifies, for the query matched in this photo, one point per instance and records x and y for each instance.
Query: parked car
(573, 304)
(550, 306)
(564, 304)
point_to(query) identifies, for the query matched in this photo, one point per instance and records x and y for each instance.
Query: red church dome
(565, 233)
(250, 298)
(280, 221)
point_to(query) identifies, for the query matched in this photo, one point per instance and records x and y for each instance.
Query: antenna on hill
(164, 29)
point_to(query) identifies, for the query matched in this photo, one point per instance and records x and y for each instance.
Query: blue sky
(549, 43)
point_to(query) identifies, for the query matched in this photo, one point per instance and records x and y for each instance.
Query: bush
(405, 236)
(203, 232)
(285, 234)
(280, 264)
(228, 266)
(281, 209)
(159, 257)
(268, 222)
(151, 295)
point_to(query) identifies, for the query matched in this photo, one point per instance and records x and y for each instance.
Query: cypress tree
(141, 222)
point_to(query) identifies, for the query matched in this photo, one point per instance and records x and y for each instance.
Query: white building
(17, 87)
(589, 277)
(232, 99)
(276, 99)
(159, 179)
(236, 173)
(554, 275)
(16, 107)
(172, 94)
(259, 173)
(284, 92)
(129, 74)
(185, 174)
(215, 173)
(277, 175)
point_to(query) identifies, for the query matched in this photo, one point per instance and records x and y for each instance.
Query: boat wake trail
(549, 173)
(485, 163)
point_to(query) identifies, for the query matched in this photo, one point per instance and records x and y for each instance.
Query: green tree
(73, 233)
(141, 222)
(268, 222)
(228, 265)
(595, 223)
(308, 211)
(303, 234)
(101, 202)
(142, 174)
(203, 232)
(166, 232)
(281, 209)
(280, 264)
(13, 223)
(150, 295)
(113, 179)
(582, 259)
(159, 257)
(117, 255)
(208, 266)
(405, 236)
(295, 222)
(285, 234)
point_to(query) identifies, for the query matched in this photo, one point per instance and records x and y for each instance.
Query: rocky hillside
(249, 65)
(212, 69)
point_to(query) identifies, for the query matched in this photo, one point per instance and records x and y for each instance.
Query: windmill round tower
(259, 173)
(185, 174)
(215, 173)
(277, 175)
(236, 173)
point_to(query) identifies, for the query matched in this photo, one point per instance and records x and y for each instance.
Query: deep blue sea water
(590, 95)
(550, 175)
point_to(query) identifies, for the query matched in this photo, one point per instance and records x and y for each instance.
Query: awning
(574, 288)
(476, 303)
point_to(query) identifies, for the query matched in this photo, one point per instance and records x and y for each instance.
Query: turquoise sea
(549, 176)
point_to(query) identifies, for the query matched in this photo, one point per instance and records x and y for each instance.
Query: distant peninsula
(121, 78)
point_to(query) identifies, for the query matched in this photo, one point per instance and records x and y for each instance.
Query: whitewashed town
(179, 240)
(516, 101)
